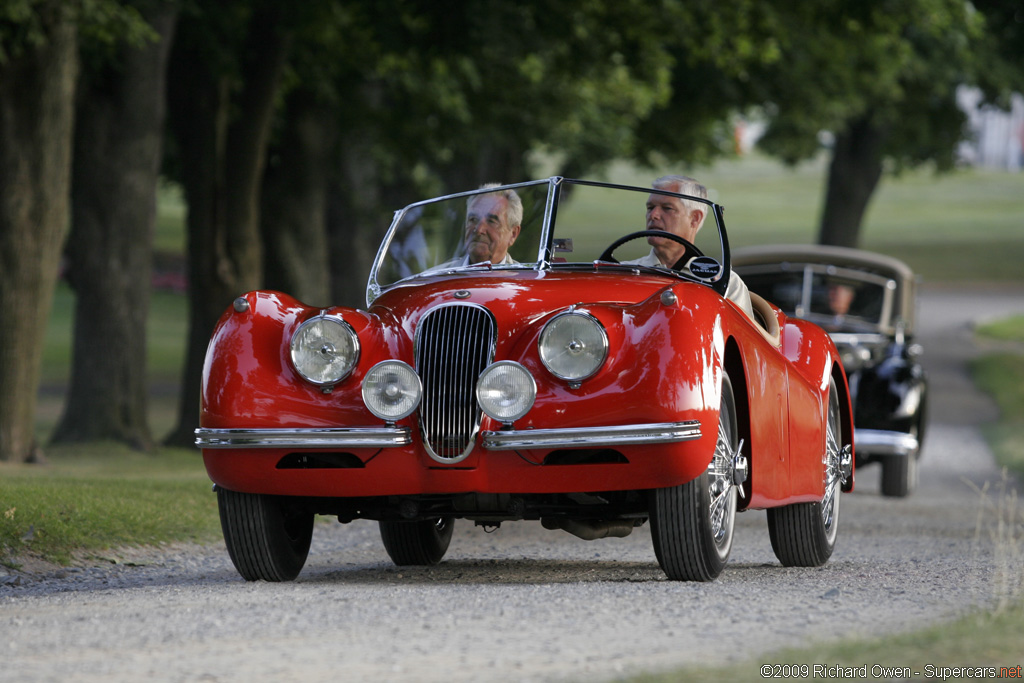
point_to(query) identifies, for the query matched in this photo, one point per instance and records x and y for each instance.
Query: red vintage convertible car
(568, 383)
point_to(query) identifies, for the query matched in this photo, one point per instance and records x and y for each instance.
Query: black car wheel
(804, 534)
(422, 542)
(899, 473)
(692, 524)
(267, 537)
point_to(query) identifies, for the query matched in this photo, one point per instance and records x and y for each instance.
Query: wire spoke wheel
(804, 534)
(721, 490)
(833, 468)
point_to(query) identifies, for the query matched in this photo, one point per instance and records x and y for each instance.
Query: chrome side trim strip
(354, 437)
(613, 435)
(884, 442)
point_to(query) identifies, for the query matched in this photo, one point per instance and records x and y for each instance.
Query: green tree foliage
(881, 75)
(342, 111)
(428, 99)
(1002, 54)
(714, 51)
(100, 24)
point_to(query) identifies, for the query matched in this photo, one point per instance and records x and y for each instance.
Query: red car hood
(518, 295)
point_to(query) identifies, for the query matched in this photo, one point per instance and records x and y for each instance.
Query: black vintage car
(867, 303)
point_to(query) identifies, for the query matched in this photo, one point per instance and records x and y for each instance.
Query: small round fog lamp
(392, 390)
(506, 391)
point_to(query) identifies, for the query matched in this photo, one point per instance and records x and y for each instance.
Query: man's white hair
(684, 185)
(513, 206)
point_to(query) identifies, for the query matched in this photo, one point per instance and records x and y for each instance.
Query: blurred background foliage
(219, 147)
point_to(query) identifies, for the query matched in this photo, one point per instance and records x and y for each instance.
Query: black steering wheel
(691, 251)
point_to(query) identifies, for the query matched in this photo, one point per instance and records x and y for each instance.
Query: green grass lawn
(979, 640)
(960, 227)
(98, 496)
(956, 227)
(1001, 374)
(171, 210)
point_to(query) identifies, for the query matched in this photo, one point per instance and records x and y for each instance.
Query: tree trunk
(222, 136)
(294, 203)
(36, 122)
(118, 148)
(357, 219)
(853, 176)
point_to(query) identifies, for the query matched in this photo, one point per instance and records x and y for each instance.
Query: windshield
(562, 224)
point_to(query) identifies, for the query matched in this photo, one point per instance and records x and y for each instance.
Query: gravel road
(526, 604)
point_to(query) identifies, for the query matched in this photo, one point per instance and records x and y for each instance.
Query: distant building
(996, 136)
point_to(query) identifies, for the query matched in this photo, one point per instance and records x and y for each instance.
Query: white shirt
(464, 263)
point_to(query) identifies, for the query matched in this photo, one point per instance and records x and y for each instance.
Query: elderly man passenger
(493, 222)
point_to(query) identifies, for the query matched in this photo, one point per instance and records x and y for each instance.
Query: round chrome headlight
(324, 350)
(506, 391)
(392, 390)
(573, 346)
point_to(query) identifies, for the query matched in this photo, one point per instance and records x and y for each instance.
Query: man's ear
(515, 234)
(696, 219)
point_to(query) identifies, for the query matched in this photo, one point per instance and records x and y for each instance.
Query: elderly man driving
(682, 217)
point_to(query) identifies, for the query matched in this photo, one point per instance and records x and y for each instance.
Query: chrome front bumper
(617, 435)
(505, 440)
(295, 437)
(884, 442)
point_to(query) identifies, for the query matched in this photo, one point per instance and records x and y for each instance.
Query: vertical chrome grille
(453, 346)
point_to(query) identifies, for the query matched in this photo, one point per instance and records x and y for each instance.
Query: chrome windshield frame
(545, 250)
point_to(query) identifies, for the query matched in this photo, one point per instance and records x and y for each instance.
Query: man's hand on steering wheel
(690, 250)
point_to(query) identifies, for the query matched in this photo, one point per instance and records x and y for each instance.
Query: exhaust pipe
(590, 529)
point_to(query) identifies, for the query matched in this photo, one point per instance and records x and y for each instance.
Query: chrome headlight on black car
(573, 345)
(324, 350)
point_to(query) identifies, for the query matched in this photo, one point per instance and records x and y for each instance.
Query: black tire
(804, 534)
(420, 543)
(267, 537)
(899, 474)
(692, 538)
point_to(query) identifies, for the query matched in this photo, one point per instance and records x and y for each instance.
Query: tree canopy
(295, 128)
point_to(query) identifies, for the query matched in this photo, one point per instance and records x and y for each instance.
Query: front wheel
(692, 524)
(804, 534)
(417, 543)
(267, 537)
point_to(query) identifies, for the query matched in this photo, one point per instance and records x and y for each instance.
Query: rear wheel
(899, 473)
(267, 537)
(422, 542)
(692, 524)
(804, 534)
